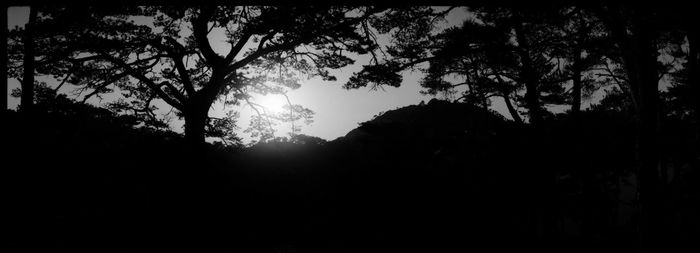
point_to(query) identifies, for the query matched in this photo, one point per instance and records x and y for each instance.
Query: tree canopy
(165, 53)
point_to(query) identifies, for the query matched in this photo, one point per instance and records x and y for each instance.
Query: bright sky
(337, 111)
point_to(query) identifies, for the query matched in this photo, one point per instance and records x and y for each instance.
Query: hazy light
(273, 103)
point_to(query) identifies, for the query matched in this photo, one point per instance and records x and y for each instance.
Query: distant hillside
(437, 130)
(436, 119)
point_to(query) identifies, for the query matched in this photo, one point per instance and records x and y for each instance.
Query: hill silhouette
(432, 177)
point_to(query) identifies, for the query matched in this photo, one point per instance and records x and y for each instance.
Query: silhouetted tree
(3, 58)
(685, 90)
(478, 54)
(500, 51)
(636, 32)
(581, 46)
(48, 53)
(459, 51)
(21, 43)
(27, 82)
(410, 29)
(530, 44)
(160, 60)
(224, 128)
(39, 46)
(694, 81)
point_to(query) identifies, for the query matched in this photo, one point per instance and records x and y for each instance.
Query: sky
(337, 110)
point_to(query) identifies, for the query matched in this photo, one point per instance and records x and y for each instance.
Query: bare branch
(266, 38)
(87, 58)
(291, 111)
(64, 80)
(459, 84)
(415, 62)
(184, 77)
(103, 85)
(175, 102)
(235, 49)
(200, 31)
(442, 13)
(253, 106)
(178, 55)
(155, 57)
(286, 46)
(616, 77)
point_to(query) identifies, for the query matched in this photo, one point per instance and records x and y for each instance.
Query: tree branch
(156, 88)
(64, 80)
(184, 77)
(104, 84)
(200, 31)
(87, 58)
(155, 57)
(177, 55)
(287, 46)
(252, 105)
(235, 49)
(415, 62)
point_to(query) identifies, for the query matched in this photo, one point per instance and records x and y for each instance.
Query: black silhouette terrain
(433, 177)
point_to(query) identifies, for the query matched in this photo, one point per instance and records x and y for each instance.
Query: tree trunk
(532, 99)
(545, 176)
(3, 82)
(27, 99)
(511, 110)
(195, 123)
(505, 94)
(198, 108)
(640, 60)
(640, 63)
(649, 192)
(693, 59)
(577, 83)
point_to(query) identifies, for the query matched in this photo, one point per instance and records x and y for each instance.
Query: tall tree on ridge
(3, 82)
(635, 30)
(27, 82)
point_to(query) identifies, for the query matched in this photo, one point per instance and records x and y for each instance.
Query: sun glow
(272, 103)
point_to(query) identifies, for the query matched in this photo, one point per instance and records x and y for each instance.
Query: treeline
(641, 57)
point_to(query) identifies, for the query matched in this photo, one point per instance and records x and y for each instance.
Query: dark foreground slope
(82, 180)
(435, 177)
